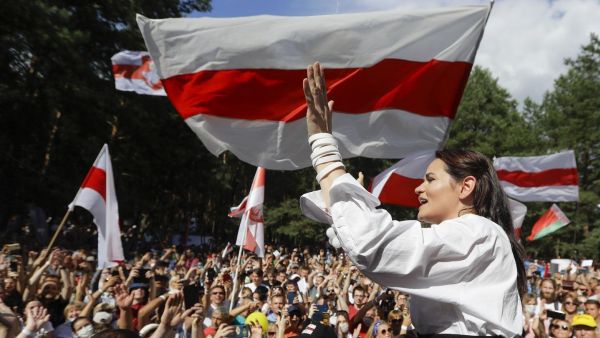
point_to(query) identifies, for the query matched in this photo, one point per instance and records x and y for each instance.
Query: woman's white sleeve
(403, 254)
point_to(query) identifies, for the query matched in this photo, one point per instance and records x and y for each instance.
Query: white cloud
(525, 41)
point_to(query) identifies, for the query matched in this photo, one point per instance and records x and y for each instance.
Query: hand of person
(122, 297)
(318, 109)
(36, 317)
(361, 178)
(543, 313)
(224, 330)
(356, 331)
(256, 330)
(312, 310)
(406, 320)
(112, 281)
(172, 308)
(281, 325)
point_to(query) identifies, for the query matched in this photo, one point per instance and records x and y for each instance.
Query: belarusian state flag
(551, 220)
(396, 77)
(98, 196)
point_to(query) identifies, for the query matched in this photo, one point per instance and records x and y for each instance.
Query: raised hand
(356, 332)
(172, 308)
(318, 112)
(224, 331)
(36, 317)
(123, 298)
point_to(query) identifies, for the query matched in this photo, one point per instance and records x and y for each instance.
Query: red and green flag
(551, 220)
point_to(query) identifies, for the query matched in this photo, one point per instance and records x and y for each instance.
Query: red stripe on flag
(96, 180)
(431, 88)
(552, 177)
(400, 190)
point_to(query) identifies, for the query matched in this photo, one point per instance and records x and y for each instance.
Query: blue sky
(524, 45)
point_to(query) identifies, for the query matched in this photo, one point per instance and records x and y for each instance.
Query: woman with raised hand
(465, 272)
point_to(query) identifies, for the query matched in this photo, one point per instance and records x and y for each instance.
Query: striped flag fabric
(518, 211)
(547, 178)
(551, 220)
(97, 195)
(396, 77)
(135, 71)
(396, 185)
(238, 211)
(228, 249)
(251, 232)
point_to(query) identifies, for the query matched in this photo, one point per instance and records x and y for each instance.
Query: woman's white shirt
(461, 273)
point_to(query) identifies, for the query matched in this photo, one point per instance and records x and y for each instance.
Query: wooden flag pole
(57, 232)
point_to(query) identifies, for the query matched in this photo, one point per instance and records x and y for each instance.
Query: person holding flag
(465, 273)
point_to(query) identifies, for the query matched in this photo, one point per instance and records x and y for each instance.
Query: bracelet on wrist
(28, 332)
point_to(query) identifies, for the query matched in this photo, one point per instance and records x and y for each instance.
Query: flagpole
(237, 268)
(57, 231)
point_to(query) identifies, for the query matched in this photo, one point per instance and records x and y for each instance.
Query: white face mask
(86, 331)
(530, 309)
(344, 327)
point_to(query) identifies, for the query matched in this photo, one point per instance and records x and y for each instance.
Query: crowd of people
(292, 291)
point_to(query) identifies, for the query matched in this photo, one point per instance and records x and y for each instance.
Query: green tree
(568, 119)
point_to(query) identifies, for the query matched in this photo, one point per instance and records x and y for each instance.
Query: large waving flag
(548, 178)
(397, 184)
(396, 78)
(551, 220)
(251, 233)
(135, 72)
(97, 195)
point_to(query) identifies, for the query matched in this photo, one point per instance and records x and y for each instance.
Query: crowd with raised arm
(187, 292)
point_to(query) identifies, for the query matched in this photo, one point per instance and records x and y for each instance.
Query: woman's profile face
(438, 195)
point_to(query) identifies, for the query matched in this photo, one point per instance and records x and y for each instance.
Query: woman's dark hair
(489, 199)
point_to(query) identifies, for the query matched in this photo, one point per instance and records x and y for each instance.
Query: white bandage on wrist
(324, 150)
(318, 136)
(328, 169)
(327, 158)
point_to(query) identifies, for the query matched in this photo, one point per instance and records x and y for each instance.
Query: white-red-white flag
(228, 248)
(251, 233)
(396, 185)
(396, 77)
(98, 196)
(239, 210)
(518, 211)
(136, 72)
(547, 178)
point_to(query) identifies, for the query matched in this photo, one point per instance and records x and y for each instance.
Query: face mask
(344, 327)
(367, 321)
(530, 309)
(86, 331)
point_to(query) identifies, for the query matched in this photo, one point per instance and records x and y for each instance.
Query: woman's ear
(467, 188)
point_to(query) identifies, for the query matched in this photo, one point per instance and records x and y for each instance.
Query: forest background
(58, 105)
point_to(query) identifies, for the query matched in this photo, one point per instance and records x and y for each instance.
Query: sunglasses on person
(571, 303)
(385, 331)
(218, 293)
(555, 326)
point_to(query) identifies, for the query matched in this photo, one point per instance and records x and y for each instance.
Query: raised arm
(319, 120)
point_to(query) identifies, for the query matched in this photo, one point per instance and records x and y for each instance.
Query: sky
(524, 44)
